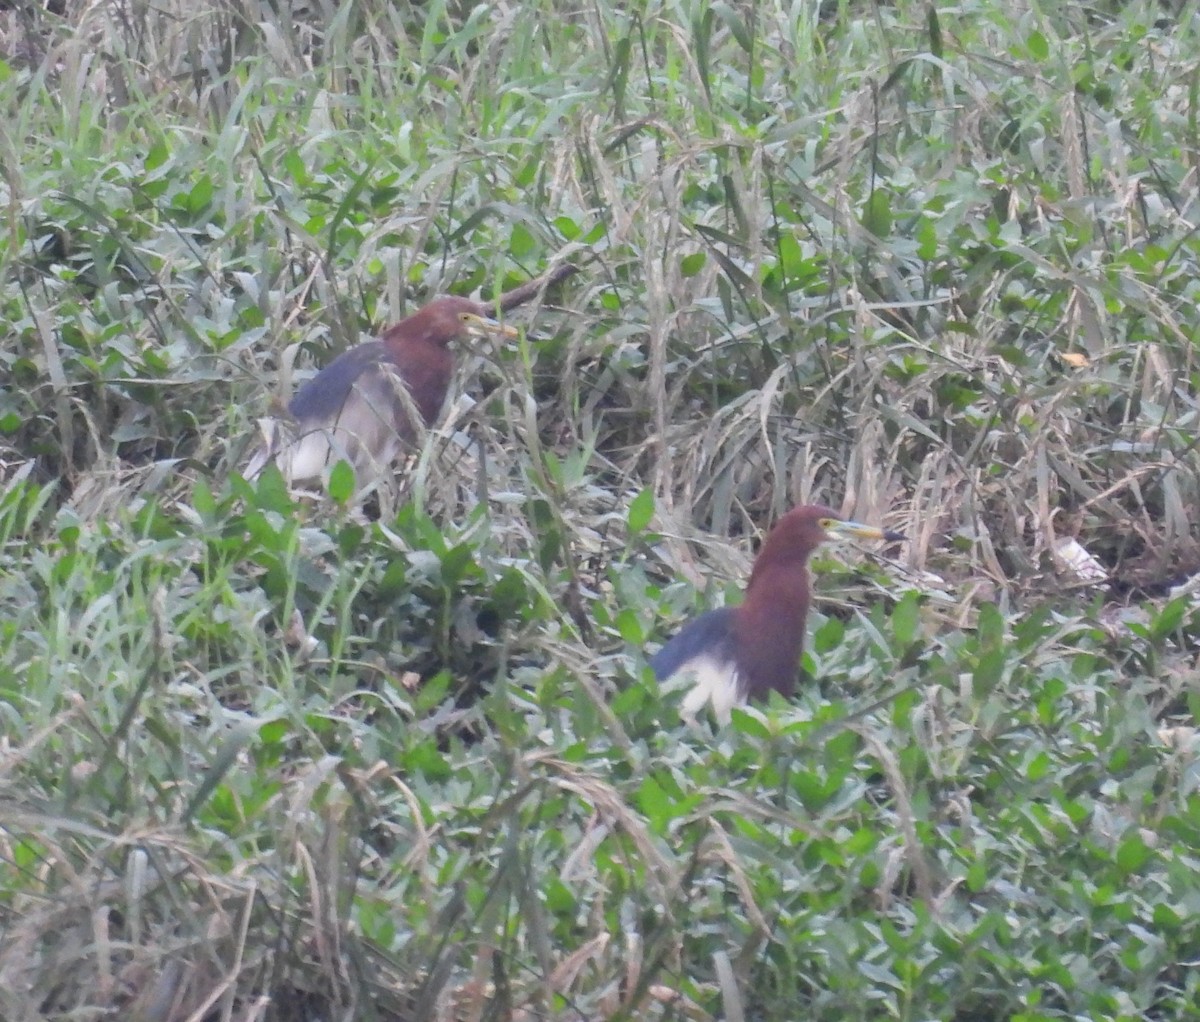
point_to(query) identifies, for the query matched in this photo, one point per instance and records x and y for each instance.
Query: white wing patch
(363, 434)
(706, 680)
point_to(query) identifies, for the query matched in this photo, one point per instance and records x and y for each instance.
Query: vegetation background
(935, 264)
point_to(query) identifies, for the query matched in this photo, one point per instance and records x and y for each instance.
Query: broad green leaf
(927, 239)
(202, 499)
(567, 227)
(877, 213)
(521, 243)
(1168, 620)
(641, 511)
(200, 196)
(1132, 853)
(906, 619)
(630, 627)
(654, 804)
(935, 30)
(341, 482)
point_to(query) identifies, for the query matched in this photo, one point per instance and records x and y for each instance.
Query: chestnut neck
(426, 367)
(769, 626)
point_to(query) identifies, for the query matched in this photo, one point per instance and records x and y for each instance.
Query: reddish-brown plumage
(769, 625)
(417, 349)
(424, 363)
(360, 407)
(745, 652)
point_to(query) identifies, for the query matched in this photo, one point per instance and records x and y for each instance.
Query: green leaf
(1167, 621)
(813, 790)
(735, 24)
(427, 761)
(559, 898)
(877, 213)
(629, 701)
(692, 264)
(990, 627)
(156, 157)
(1132, 854)
(989, 670)
(200, 196)
(202, 499)
(550, 544)
(1039, 48)
(702, 21)
(456, 562)
(274, 731)
(641, 511)
(906, 618)
(654, 804)
(977, 876)
(829, 635)
(395, 578)
(341, 482)
(568, 228)
(927, 239)
(935, 30)
(618, 74)
(228, 750)
(748, 723)
(293, 163)
(595, 234)
(1166, 918)
(510, 594)
(791, 256)
(521, 244)
(1038, 767)
(630, 626)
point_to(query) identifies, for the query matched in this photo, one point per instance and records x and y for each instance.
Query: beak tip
(894, 537)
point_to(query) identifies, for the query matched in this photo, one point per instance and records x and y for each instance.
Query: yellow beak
(856, 530)
(481, 326)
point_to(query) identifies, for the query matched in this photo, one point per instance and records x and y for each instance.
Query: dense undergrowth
(266, 755)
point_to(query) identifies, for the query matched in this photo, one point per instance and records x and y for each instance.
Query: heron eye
(825, 523)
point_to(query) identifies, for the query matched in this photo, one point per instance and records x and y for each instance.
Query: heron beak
(481, 326)
(856, 530)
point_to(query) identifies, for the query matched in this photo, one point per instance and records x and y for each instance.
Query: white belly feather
(706, 680)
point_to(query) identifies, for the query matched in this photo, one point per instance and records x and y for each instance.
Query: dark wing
(710, 636)
(353, 409)
(322, 398)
